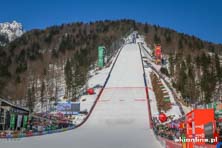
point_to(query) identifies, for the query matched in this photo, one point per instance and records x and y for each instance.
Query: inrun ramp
(119, 119)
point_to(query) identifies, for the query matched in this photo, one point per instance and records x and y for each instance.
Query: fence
(146, 89)
(100, 91)
(168, 85)
(31, 133)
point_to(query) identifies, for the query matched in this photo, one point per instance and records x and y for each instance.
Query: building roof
(12, 105)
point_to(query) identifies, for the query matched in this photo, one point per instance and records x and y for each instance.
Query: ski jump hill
(120, 118)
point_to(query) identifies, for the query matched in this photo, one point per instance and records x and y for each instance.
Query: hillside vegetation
(34, 65)
(194, 65)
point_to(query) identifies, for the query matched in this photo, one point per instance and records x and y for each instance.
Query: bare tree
(42, 95)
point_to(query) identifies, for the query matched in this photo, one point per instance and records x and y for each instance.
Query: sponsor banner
(19, 121)
(100, 56)
(12, 121)
(25, 121)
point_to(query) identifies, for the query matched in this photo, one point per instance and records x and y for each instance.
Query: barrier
(9, 135)
(15, 135)
(21, 135)
(40, 133)
(169, 143)
(3, 135)
(29, 134)
(146, 90)
(44, 132)
(94, 104)
(72, 127)
(48, 131)
(204, 146)
(173, 92)
(36, 134)
(166, 142)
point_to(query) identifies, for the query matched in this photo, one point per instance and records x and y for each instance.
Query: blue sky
(202, 18)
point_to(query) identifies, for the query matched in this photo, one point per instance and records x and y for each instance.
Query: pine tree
(156, 39)
(31, 98)
(191, 84)
(206, 87)
(182, 78)
(171, 62)
(146, 28)
(180, 44)
(56, 93)
(218, 68)
(68, 77)
(42, 95)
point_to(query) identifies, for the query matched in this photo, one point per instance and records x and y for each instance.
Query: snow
(127, 74)
(157, 67)
(12, 30)
(175, 109)
(58, 80)
(150, 59)
(153, 103)
(152, 97)
(98, 79)
(120, 118)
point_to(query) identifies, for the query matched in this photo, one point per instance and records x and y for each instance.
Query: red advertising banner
(158, 51)
(200, 124)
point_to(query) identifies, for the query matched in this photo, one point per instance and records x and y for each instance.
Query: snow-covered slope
(11, 30)
(120, 118)
(154, 110)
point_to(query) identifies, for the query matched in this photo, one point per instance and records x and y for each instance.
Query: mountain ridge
(26, 61)
(9, 31)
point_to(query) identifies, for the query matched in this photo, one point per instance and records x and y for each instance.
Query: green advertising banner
(101, 56)
(12, 121)
(25, 120)
(212, 105)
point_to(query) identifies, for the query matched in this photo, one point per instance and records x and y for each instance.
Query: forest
(35, 64)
